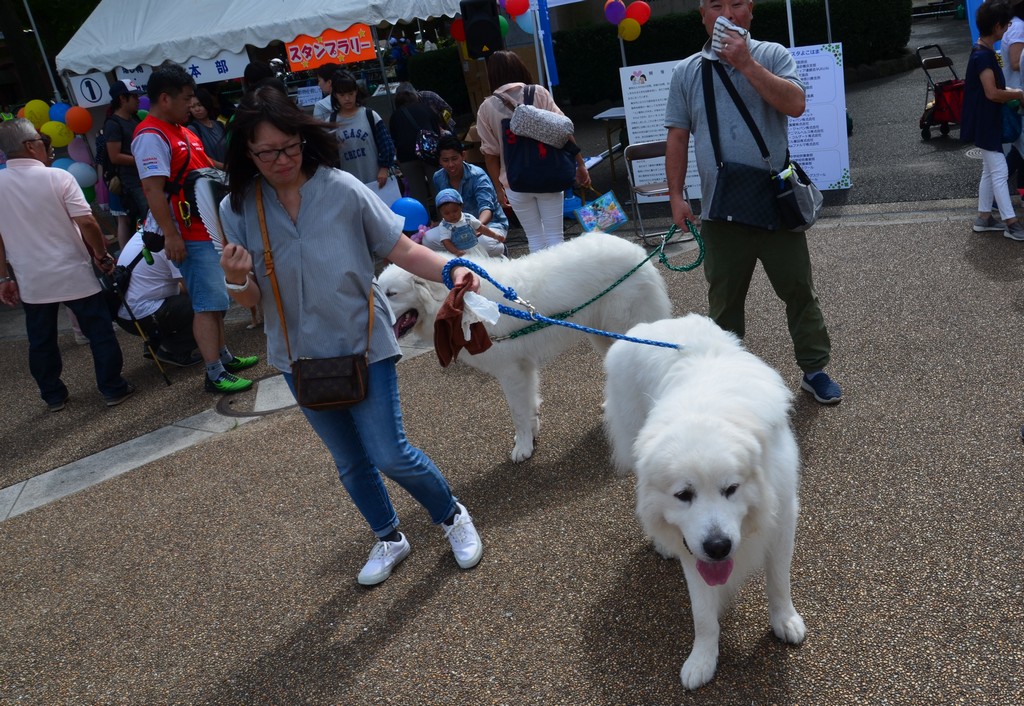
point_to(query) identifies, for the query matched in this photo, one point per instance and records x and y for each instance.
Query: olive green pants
(731, 253)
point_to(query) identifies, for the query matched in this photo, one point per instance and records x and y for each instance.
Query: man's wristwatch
(5, 280)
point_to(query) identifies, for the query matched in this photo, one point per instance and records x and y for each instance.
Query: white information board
(225, 65)
(817, 139)
(90, 90)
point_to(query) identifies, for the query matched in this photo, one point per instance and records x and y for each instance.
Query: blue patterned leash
(531, 313)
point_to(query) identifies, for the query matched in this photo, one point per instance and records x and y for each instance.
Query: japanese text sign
(331, 46)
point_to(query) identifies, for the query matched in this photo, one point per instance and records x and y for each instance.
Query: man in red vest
(165, 152)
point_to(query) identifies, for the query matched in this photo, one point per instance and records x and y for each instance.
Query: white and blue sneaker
(465, 541)
(384, 557)
(824, 389)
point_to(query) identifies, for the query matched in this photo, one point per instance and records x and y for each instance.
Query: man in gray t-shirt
(766, 80)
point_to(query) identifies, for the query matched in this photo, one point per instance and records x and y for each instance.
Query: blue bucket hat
(448, 196)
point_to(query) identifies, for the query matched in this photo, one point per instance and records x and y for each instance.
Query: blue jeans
(44, 359)
(203, 277)
(368, 439)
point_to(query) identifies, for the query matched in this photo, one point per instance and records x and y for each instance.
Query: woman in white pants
(539, 214)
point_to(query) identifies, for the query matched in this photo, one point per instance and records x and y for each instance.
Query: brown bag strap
(268, 261)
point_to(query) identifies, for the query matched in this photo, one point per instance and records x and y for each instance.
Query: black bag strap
(528, 93)
(178, 184)
(712, 110)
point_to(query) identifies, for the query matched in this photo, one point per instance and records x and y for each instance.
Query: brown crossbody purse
(321, 384)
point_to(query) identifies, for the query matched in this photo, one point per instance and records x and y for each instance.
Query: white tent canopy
(133, 32)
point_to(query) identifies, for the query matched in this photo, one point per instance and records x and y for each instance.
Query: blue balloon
(63, 163)
(412, 211)
(58, 111)
(3, 165)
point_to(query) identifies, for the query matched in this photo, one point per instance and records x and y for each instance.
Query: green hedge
(589, 57)
(440, 71)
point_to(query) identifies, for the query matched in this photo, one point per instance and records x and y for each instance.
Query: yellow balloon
(60, 134)
(629, 29)
(38, 112)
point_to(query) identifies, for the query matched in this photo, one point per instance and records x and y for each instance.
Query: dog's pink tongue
(715, 573)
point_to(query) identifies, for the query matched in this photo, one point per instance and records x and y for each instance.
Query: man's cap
(124, 87)
(448, 196)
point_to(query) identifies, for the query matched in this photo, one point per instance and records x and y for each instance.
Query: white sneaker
(384, 557)
(465, 540)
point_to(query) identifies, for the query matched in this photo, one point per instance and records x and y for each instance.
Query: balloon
(516, 7)
(525, 23)
(89, 193)
(38, 112)
(142, 114)
(21, 112)
(59, 133)
(144, 103)
(3, 166)
(458, 31)
(83, 174)
(63, 163)
(78, 120)
(78, 150)
(614, 11)
(503, 23)
(58, 111)
(639, 11)
(412, 211)
(629, 29)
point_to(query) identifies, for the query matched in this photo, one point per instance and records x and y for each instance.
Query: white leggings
(994, 175)
(540, 216)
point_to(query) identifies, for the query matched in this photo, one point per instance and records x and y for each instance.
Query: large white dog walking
(553, 280)
(706, 430)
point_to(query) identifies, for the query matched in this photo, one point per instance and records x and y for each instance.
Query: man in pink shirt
(50, 239)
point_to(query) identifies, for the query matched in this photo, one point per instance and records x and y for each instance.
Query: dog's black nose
(717, 548)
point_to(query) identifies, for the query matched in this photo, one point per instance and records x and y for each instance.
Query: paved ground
(224, 572)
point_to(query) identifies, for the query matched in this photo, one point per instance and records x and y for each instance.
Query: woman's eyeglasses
(268, 156)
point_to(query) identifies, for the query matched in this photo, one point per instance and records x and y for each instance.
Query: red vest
(184, 144)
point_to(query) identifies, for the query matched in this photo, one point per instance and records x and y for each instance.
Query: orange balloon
(21, 112)
(78, 120)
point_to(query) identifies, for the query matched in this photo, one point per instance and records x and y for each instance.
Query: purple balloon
(78, 150)
(144, 100)
(615, 12)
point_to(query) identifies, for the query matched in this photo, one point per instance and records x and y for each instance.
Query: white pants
(994, 175)
(540, 216)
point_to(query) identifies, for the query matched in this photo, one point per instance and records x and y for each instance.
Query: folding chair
(634, 153)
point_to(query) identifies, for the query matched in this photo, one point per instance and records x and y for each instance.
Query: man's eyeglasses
(268, 156)
(44, 140)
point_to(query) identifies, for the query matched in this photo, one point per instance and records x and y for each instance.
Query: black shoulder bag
(743, 194)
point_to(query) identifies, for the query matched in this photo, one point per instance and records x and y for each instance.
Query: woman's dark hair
(992, 13)
(506, 67)
(450, 142)
(206, 100)
(269, 105)
(345, 82)
(327, 71)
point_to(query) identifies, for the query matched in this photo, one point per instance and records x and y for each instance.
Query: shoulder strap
(268, 261)
(178, 184)
(528, 93)
(712, 110)
(369, 116)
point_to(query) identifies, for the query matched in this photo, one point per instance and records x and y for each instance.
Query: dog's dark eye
(685, 495)
(728, 492)
(389, 293)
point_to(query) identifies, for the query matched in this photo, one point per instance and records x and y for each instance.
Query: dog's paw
(521, 451)
(789, 628)
(698, 669)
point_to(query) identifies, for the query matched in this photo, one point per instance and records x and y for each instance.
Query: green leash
(662, 257)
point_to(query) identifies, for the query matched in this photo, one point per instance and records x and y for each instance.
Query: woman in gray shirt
(325, 229)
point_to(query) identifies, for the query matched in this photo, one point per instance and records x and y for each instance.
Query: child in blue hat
(460, 231)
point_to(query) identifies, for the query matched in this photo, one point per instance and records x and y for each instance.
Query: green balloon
(142, 114)
(90, 193)
(504, 25)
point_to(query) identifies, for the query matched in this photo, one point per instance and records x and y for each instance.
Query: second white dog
(706, 430)
(554, 280)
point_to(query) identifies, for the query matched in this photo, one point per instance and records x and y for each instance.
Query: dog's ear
(429, 291)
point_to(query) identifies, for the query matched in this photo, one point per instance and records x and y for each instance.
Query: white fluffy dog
(554, 280)
(706, 430)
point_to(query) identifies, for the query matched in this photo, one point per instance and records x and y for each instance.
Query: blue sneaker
(824, 389)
